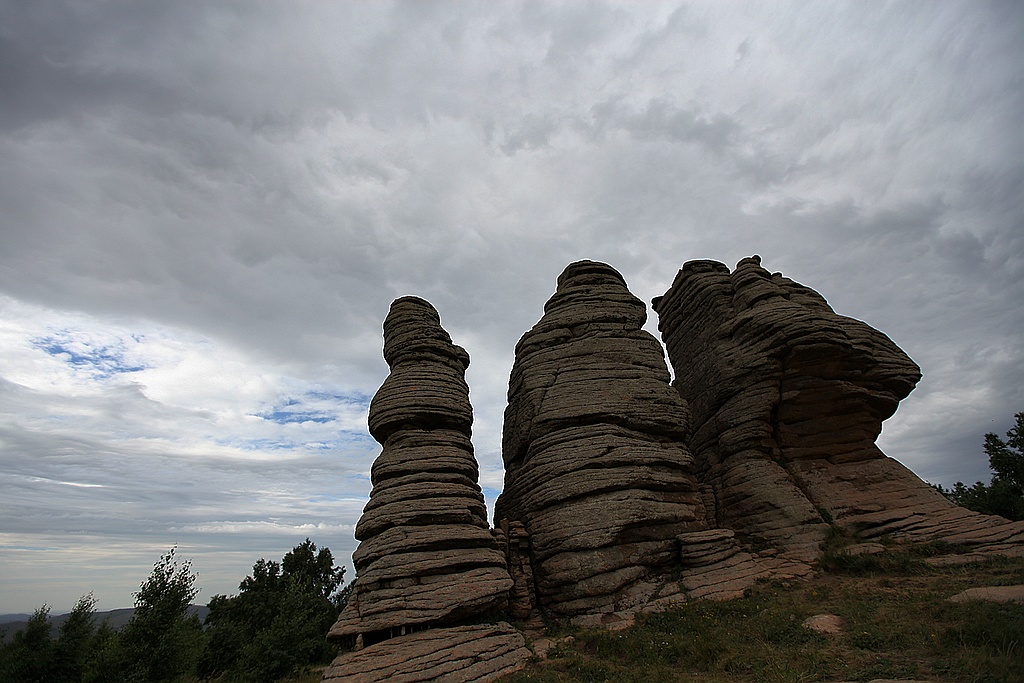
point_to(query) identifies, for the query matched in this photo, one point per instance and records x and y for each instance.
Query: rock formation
(787, 400)
(427, 558)
(596, 467)
(458, 654)
(615, 500)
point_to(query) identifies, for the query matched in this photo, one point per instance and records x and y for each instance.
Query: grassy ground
(898, 623)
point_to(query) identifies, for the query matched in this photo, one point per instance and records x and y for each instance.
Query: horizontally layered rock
(595, 463)
(787, 400)
(459, 654)
(427, 557)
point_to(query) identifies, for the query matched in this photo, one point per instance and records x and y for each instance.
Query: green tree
(75, 641)
(1004, 495)
(312, 570)
(106, 658)
(162, 641)
(28, 657)
(278, 622)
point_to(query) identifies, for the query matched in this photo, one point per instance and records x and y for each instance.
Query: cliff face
(788, 398)
(596, 466)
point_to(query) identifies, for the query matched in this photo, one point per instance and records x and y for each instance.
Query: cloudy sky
(207, 208)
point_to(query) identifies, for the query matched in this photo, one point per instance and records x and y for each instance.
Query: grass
(898, 623)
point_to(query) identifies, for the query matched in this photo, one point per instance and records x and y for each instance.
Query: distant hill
(116, 618)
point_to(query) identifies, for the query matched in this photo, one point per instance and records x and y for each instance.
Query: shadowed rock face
(466, 654)
(595, 464)
(788, 398)
(427, 556)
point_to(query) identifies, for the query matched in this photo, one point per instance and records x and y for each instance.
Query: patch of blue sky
(357, 398)
(490, 492)
(262, 444)
(316, 405)
(346, 439)
(361, 436)
(288, 417)
(102, 361)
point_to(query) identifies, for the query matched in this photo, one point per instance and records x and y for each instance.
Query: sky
(206, 210)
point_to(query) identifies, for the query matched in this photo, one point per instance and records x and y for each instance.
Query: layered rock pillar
(596, 467)
(427, 558)
(788, 398)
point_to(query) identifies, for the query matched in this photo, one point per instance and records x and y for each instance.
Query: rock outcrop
(459, 654)
(623, 492)
(787, 399)
(596, 466)
(427, 557)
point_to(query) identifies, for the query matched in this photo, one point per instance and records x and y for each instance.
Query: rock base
(461, 654)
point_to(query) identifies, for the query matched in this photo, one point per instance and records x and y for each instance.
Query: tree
(313, 571)
(278, 622)
(1004, 496)
(28, 656)
(161, 641)
(75, 641)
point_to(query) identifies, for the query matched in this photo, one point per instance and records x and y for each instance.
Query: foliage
(75, 640)
(276, 624)
(162, 641)
(34, 655)
(1004, 495)
(28, 656)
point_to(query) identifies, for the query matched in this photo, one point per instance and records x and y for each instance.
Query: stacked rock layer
(458, 654)
(427, 557)
(787, 400)
(596, 467)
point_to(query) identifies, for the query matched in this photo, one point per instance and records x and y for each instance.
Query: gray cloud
(205, 211)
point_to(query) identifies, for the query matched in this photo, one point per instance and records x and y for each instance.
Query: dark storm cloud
(206, 209)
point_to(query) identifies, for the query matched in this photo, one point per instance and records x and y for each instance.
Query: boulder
(991, 594)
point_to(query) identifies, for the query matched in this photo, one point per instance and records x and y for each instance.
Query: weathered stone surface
(596, 469)
(460, 654)
(716, 568)
(828, 624)
(991, 594)
(787, 399)
(427, 556)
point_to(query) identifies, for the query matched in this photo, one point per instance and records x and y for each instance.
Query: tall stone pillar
(427, 558)
(596, 466)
